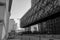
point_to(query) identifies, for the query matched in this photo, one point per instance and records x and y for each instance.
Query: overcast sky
(19, 8)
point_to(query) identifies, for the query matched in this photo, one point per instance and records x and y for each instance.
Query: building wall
(5, 17)
(15, 27)
(11, 25)
(3, 1)
(27, 29)
(2, 9)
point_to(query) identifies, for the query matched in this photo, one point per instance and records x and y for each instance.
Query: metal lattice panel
(41, 10)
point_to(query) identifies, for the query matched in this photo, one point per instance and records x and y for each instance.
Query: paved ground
(36, 37)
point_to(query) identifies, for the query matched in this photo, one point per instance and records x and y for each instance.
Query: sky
(19, 8)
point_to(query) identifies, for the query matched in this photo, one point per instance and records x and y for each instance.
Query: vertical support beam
(2, 10)
(6, 16)
(3, 32)
(1, 27)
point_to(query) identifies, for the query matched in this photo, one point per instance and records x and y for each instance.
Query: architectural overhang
(35, 14)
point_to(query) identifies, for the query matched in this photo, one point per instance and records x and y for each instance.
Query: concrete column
(1, 28)
(3, 32)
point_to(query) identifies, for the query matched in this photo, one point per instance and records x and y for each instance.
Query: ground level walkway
(37, 37)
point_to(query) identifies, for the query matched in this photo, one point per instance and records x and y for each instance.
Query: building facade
(5, 7)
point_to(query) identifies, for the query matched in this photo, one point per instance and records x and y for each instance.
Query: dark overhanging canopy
(47, 16)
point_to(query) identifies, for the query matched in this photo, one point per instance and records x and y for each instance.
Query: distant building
(15, 27)
(20, 30)
(12, 25)
(28, 29)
